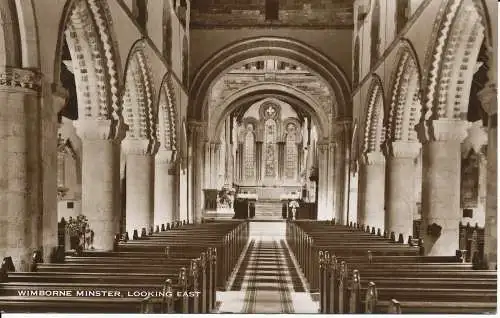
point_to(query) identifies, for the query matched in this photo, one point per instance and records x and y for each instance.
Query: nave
(252, 267)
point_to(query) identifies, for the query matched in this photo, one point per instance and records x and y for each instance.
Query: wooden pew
(369, 284)
(123, 269)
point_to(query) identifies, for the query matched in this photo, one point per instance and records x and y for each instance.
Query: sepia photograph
(248, 157)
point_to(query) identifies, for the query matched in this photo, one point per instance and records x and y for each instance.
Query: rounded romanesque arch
(405, 104)
(374, 130)
(89, 38)
(451, 60)
(139, 111)
(260, 91)
(225, 59)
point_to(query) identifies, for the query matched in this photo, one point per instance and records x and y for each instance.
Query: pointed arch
(95, 61)
(405, 104)
(355, 62)
(167, 115)
(139, 112)
(10, 37)
(375, 34)
(451, 60)
(167, 31)
(374, 136)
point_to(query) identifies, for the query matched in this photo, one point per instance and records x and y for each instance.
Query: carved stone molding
(20, 78)
(401, 149)
(373, 158)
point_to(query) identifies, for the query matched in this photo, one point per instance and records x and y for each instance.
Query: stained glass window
(249, 153)
(270, 148)
(291, 152)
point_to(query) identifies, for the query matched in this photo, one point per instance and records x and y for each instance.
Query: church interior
(248, 156)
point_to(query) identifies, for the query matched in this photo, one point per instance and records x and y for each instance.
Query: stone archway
(451, 62)
(371, 186)
(141, 142)
(94, 60)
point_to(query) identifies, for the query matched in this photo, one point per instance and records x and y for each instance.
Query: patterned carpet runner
(267, 276)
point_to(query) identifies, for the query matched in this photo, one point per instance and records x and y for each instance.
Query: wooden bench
(351, 283)
(169, 269)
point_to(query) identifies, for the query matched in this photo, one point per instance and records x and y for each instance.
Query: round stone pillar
(372, 191)
(165, 207)
(401, 200)
(139, 206)
(21, 207)
(441, 163)
(100, 180)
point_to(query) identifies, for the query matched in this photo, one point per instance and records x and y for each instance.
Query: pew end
(394, 307)
(371, 298)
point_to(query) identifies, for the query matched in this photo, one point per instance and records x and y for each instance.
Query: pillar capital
(373, 158)
(20, 78)
(404, 149)
(94, 129)
(443, 129)
(139, 146)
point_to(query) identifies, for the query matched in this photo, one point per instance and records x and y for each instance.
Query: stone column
(323, 213)
(489, 103)
(197, 140)
(139, 184)
(372, 190)
(100, 179)
(330, 194)
(49, 153)
(441, 211)
(20, 166)
(165, 185)
(401, 201)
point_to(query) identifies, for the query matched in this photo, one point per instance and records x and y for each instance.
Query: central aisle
(267, 280)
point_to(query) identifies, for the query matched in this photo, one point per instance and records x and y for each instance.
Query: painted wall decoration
(469, 182)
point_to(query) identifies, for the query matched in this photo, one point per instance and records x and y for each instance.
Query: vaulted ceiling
(255, 13)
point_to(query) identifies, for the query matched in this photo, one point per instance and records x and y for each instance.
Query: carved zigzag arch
(138, 99)
(89, 37)
(405, 104)
(374, 130)
(167, 115)
(451, 60)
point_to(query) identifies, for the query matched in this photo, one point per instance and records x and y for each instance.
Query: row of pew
(356, 269)
(177, 270)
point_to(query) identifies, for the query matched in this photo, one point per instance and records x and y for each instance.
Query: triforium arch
(290, 49)
(96, 67)
(278, 90)
(371, 187)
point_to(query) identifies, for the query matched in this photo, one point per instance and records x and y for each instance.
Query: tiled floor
(267, 280)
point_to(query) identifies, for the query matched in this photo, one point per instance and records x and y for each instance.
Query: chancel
(257, 156)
